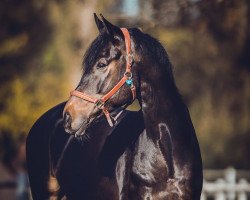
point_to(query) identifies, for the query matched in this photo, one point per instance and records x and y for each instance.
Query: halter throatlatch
(127, 78)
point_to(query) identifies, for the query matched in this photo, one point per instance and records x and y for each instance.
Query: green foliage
(34, 72)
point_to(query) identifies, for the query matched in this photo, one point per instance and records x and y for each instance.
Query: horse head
(109, 80)
(119, 65)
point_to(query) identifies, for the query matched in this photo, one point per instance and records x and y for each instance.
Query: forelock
(94, 50)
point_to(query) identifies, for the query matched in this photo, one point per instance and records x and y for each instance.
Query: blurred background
(42, 43)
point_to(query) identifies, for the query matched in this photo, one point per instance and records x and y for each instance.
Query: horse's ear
(110, 28)
(99, 24)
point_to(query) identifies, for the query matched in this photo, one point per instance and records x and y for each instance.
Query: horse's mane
(156, 53)
(153, 49)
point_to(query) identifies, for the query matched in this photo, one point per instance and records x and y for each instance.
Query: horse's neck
(161, 105)
(166, 117)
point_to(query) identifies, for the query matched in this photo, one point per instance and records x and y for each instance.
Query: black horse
(165, 161)
(79, 167)
(153, 154)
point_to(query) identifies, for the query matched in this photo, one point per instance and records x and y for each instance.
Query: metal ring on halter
(129, 75)
(99, 104)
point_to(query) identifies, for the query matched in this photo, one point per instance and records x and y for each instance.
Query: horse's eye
(101, 65)
(117, 55)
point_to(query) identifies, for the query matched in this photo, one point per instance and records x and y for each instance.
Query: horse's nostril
(67, 120)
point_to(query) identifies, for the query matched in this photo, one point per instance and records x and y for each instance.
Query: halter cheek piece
(127, 78)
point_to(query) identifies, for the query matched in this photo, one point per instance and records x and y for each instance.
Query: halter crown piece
(127, 78)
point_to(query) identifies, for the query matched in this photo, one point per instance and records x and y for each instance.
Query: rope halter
(127, 78)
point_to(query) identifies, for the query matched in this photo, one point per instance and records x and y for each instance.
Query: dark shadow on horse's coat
(79, 164)
(37, 148)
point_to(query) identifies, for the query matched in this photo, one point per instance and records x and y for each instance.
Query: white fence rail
(228, 184)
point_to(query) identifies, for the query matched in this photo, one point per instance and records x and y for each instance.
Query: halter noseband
(127, 78)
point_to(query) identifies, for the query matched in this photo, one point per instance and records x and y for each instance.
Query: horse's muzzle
(77, 115)
(67, 123)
